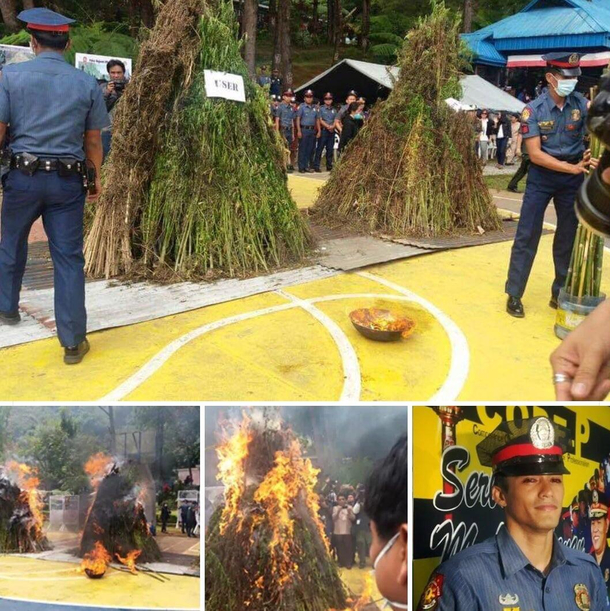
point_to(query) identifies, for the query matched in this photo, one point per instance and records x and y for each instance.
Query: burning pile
(116, 526)
(21, 516)
(412, 170)
(266, 546)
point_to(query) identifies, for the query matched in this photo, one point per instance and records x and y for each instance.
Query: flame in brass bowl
(381, 325)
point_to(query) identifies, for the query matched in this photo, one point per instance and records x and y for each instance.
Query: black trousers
(521, 172)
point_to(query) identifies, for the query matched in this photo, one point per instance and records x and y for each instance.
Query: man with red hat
(553, 129)
(524, 566)
(56, 114)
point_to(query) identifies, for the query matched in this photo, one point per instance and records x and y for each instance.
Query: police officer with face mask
(553, 128)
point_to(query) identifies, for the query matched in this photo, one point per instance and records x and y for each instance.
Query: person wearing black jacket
(351, 124)
(503, 133)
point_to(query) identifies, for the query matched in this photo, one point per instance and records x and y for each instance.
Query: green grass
(500, 182)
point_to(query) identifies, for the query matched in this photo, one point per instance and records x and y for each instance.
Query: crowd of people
(346, 523)
(314, 128)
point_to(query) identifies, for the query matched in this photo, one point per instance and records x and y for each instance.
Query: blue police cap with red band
(45, 20)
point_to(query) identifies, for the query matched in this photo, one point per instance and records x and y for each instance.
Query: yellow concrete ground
(289, 355)
(54, 582)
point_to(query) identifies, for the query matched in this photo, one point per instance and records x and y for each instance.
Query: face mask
(382, 553)
(358, 117)
(565, 87)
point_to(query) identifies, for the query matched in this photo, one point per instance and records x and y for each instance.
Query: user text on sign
(224, 85)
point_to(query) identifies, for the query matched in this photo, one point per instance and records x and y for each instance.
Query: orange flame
(95, 562)
(291, 478)
(130, 560)
(365, 598)
(28, 481)
(383, 320)
(97, 467)
(231, 471)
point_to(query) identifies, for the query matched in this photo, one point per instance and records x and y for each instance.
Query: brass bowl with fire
(381, 325)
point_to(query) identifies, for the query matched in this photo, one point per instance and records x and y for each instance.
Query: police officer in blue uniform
(285, 116)
(56, 114)
(328, 115)
(308, 131)
(524, 566)
(553, 127)
(599, 533)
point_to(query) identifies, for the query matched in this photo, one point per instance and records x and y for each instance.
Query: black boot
(514, 307)
(75, 354)
(9, 318)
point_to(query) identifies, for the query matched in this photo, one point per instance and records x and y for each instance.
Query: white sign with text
(224, 85)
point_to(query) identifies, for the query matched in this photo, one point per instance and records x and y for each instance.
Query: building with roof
(504, 49)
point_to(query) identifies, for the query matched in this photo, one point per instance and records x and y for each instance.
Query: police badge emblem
(508, 599)
(526, 114)
(574, 59)
(576, 115)
(582, 598)
(433, 592)
(542, 434)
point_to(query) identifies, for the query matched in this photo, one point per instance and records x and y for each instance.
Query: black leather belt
(29, 164)
(572, 160)
(308, 127)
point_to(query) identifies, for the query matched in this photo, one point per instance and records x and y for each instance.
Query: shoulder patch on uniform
(432, 594)
(525, 129)
(526, 114)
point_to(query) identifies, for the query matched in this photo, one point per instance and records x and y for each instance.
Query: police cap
(45, 20)
(568, 64)
(308, 92)
(288, 92)
(599, 506)
(328, 94)
(352, 92)
(533, 446)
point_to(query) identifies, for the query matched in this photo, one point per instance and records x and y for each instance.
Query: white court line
(164, 355)
(352, 382)
(460, 353)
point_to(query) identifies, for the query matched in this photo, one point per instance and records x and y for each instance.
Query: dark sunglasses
(331, 99)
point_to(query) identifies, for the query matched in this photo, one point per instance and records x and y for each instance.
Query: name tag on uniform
(546, 126)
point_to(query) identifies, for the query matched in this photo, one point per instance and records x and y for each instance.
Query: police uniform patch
(574, 59)
(542, 434)
(576, 115)
(582, 598)
(526, 114)
(571, 127)
(525, 129)
(606, 575)
(432, 593)
(508, 599)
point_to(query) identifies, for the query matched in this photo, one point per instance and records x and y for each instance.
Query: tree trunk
(366, 24)
(9, 15)
(338, 29)
(28, 4)
(272, 16)
(277, 50)
(314, 16)
(284, 43)
(250, 23)
(330, 21)
(468, 10)
(147, 13)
